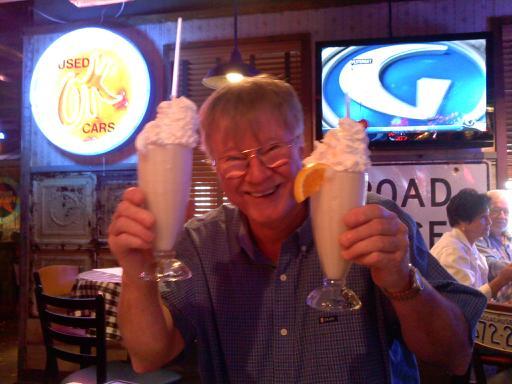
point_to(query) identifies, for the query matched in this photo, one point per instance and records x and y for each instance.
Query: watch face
(415, 287)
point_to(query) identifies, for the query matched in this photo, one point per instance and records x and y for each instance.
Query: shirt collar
(301, 238)
(459, 235)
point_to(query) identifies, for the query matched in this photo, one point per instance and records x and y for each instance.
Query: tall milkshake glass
(340, 192)
(165, 151)
(344, 154)
(165, 174)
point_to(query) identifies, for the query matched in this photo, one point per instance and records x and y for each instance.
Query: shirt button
(284, 332)
(283, 277)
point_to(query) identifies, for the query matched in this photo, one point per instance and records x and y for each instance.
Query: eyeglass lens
(272, 156)
(497, 211)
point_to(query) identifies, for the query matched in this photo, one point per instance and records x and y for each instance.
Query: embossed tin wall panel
(64, 208)
(81, 258)
(110, 191)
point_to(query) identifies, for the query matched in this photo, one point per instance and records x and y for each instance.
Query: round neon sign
(89, 91)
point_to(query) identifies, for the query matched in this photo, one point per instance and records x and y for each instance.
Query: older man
(497, 247)
(254, 262)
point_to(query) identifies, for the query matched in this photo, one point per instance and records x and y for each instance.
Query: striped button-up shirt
(252, 325)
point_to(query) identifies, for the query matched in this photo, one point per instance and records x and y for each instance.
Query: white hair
(496, 194)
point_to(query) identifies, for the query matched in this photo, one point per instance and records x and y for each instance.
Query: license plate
(494, 330)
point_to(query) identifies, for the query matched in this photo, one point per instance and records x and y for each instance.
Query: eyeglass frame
(254, 152)
(498, 211)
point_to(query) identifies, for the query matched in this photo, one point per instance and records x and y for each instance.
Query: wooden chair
(83, 347)
(493, 345)
(58, 280)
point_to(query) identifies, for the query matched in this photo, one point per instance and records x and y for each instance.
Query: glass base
(333, 296)
(165, 268)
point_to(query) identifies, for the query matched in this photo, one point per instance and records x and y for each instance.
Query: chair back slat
(73, 338)
(83, 335)
(71, 319)
(82, 303)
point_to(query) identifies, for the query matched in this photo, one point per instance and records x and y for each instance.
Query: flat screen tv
(418, 92)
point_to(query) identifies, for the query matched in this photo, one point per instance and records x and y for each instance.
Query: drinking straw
(347, 106)
(176, 66)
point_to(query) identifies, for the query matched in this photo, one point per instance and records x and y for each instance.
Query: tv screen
(410, 92)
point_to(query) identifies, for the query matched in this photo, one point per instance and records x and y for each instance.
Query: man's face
(263, 194)
(499, 215)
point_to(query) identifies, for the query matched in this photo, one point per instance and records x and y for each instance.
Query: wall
(361, 21)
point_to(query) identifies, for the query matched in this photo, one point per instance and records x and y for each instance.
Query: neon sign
(89, 91)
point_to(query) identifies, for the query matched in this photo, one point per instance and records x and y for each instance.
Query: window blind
(503, 109)
(285, 57)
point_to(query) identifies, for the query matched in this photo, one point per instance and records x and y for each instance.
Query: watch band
(415, 287)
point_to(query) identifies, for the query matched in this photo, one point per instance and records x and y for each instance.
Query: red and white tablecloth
(106, 281)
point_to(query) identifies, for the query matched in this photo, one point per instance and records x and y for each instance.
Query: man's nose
(256, 169)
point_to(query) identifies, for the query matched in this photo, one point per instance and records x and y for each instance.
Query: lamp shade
(232, 71)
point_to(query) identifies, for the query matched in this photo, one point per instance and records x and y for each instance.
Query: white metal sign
(423, 190)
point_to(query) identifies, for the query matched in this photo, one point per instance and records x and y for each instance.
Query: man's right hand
(504, 277)
(130, 233)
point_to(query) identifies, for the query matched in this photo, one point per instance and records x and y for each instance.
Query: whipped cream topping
(344, 148)
(176, 122)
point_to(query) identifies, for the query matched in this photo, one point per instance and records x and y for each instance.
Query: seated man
(496, 247)
(254, 261)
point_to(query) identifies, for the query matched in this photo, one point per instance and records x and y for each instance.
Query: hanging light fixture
(235, 69)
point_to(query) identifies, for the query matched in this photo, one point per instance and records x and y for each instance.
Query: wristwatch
(416, 285)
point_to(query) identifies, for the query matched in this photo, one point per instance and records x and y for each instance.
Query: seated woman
(468, 215)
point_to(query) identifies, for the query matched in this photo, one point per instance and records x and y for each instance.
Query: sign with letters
(423, 190)
(90, 90)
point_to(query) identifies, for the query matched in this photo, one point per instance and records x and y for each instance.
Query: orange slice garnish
(309, 180)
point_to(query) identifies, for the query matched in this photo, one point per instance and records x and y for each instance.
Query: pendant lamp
(235, 69)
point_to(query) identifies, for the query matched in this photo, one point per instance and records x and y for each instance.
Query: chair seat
(120, 370)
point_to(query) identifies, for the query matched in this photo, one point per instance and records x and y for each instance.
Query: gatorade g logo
(420, 82)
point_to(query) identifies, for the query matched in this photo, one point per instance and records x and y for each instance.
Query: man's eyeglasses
(273, 155)
(497, 211)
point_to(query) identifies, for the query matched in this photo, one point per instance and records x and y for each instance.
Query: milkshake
(344, 151)
(340, 192)
(165, 150)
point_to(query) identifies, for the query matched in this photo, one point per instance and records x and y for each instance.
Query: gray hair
(234, 108)
(500, 194)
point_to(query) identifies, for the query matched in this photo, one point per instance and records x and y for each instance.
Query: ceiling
(16, 15)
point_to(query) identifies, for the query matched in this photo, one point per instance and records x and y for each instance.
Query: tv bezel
(450, 139)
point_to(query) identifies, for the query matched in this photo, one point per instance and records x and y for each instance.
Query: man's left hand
(378, 239)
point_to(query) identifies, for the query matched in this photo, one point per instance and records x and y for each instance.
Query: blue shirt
(251, 322)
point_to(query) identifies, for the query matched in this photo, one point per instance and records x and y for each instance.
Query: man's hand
(377, 239)
(504, 277)
(130, 233)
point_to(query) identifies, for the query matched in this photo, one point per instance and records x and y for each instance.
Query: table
(106, 281)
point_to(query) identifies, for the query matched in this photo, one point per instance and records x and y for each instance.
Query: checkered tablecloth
(108, 283)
